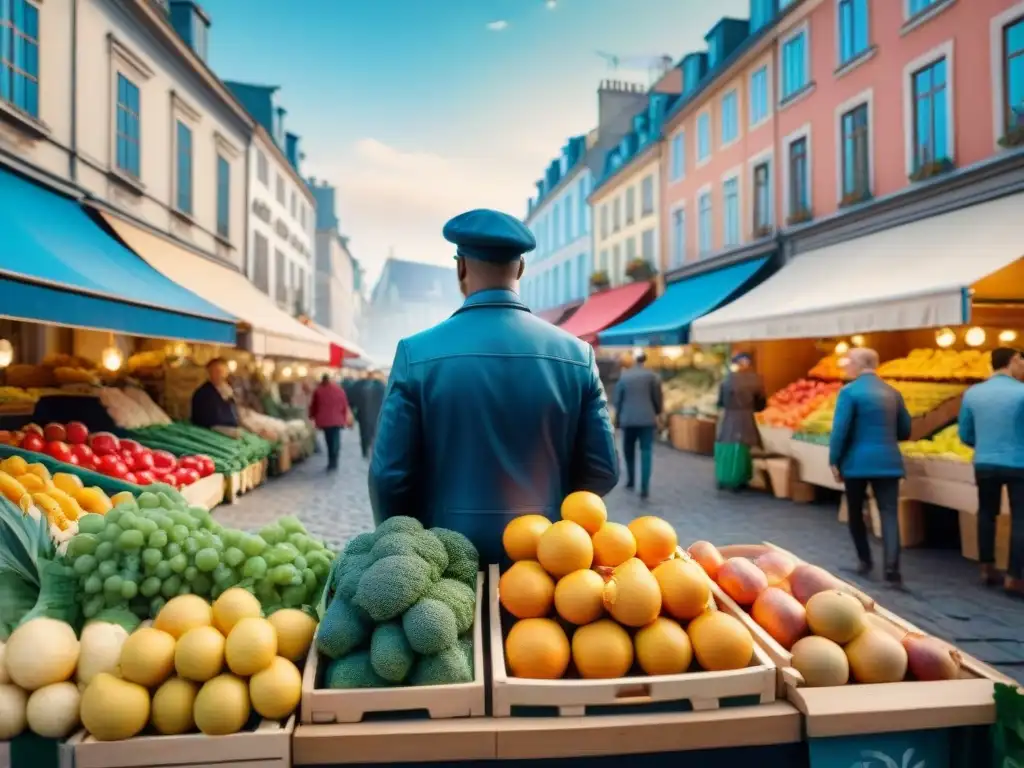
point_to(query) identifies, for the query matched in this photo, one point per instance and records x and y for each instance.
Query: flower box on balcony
(855, 198)
(639, 270)
(1014, 137)
(801, 216)
(932, 169)
(599, 281)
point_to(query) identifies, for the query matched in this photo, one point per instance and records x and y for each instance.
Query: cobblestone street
(944, 595)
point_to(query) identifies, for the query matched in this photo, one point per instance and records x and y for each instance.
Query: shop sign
(261, 211)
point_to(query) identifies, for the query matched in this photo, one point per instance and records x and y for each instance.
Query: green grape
(93, 585)
(252, 545)
(279, 554)
(82, 544)
(204, 539)
(129, 589)
(163, 570)
(234, 556)
(110, 533)
(232, 537)
(165, 523)
(172, 549)
(156, 605)
(320, 569)
(300, 563)
(150, 557)
(202, 584)
(300, 541)
(272, 534)
(319, 547)
(267, 592)
(84, 565)
(217, 592)
(131, 539)
(309, 580)
(113, 515)
(179, 533)
(184, 589)
(284, 575)
(192, 524)
(148, 500)
(150, 587)
(223, 575)
(105, 550)
(129, 521)
(93, 606)
(129, 505)
(190, 573)
(112, 585)
(178, 563)
(207, 559)
(157, 539)
(170, 587)
(255, 568)
(290, 524)
(132, 561)
(190, 546)
(293, 597)
(249, 585)
(166, 501)
(217, 542)
(147, 526)
(91, 524)
(106, 568)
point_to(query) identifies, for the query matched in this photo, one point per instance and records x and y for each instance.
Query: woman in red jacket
(329, 410)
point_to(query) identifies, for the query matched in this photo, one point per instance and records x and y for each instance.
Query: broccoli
(445, 668)
(361, 544)
(390, 654)
(400, 524)
(344, 628)
(430, 626)
(459, 597)
(463, 559)
(348, 574)
(390, 586)
(353, 671)
(422, 543)
(466, 645)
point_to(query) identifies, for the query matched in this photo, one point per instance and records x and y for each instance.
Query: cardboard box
(776, 441)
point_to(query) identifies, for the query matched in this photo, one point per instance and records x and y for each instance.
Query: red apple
(55, 433)
(104, 443)
(78, 433)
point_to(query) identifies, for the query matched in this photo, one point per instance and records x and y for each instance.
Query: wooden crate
(232, 487)
(571, 698)
(776, 441)
(268, 746)
(969, 537)
(206, 492)
(320, 706)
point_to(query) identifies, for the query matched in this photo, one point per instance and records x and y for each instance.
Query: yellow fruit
(40, 471)
(14, 465)
(820, 662)
(565, 547)
(537, 649)
(11, 488)
(656, 540)
(579, 597)
(113, 709)
(876, 657)
(93, 500)
(632, 595)
(41, 652)
(276, 690)
(526, 590)
(720, 642)
(172, 707)
(602, 650)
(147, 657)
(199, 654)
(233, 605)
(295, 631)
(67, 503)
(684, 588)
(53, 710)
(663, 648)
(51, 509)
(521, 536)
(586, 509)
(182, 613)
(32, 483)
(835, 615)
(613, 545)
(67, 482)
(119, 498)
(251, 647)
(222, 705)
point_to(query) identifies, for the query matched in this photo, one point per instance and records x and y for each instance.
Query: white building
(339, 288)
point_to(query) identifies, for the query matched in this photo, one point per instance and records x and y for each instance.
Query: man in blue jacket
(992, 422)
(494, 412)
(864, 450)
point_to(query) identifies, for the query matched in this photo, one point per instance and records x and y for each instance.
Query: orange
(684, 588)
(613, 545)
(579, 597)
(521, 536)
(602, 650)
(656, 540)
(586, 509)
(663, 648)
(526, 590)
(565, 547)
(538, 649)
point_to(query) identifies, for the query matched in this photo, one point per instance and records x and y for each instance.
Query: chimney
(279, 113)
(192, 25)
(291, 150)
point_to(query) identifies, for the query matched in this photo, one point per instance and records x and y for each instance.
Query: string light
(303, 371)
(945, 338)
(232, 365)
(842, 348)
(286, 372)
(6, 353)
(974, 337)
(1007, 336)
(857, 340)
(112, 358)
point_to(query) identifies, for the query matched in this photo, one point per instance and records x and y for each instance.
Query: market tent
(342, 350)
(607, 308)
(917, 275)
(561, 313)
(57, 266)
(667, 320)
(272, 331)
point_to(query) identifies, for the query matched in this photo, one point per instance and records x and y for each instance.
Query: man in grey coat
(638, 403)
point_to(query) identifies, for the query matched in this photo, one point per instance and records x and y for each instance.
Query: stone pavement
(944, 595)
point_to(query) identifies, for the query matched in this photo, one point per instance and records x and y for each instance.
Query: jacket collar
(494, 297)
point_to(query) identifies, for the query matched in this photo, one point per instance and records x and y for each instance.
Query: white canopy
(917, 275)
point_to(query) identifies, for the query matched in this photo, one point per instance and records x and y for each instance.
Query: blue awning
(58, 266)
(667, 321)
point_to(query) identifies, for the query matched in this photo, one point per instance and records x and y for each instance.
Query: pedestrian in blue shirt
(494, 412)
(992, 422)
(864, 450)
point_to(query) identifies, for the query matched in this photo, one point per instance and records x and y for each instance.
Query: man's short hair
(216, 361)
(1002, 357)
(640, 357)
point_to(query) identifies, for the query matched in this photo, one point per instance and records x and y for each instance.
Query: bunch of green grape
(142, 553)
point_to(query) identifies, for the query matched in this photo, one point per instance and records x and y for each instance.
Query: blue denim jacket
(870, 421)
(992, 422)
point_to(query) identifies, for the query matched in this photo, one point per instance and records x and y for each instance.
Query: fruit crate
(323, 706)
(206, 492)
(880, 708)
(268, 745)
(573, 697)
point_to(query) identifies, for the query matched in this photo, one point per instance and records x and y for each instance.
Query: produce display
(828, 369)
(16, 399)
(692, 391)
(940, 365)
(399, 609)
(281, 430)
(944, 444)
(594, 599)
(184, 439)
(792, 405)
(919, 397)
(833, 636)
(55, 370)
(132, 408)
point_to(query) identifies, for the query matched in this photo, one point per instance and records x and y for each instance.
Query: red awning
(561, 313)
(608, 308)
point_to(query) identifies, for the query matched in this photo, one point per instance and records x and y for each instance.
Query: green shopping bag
(734, 466)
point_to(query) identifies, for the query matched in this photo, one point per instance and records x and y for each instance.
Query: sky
(417, 110)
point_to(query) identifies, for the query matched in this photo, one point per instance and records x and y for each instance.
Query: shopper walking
(494, 412)
(371, 398)
(638, 404)
(864, 451)
(992, 422)
(740, 396)
(329, 410)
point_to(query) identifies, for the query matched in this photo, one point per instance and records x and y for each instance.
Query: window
(630, 205)
(261, 263)
(703, 137)
(914, 7)
(799, 182)
(280, 286)
(678, 237)
(704, 222)
(616, 274)
(731, 213)
(581, 275)
(647, 246)
(556, 225)
(853, 29)
(184, 155)
(19, 55)
(616, 214)
(129, 158)
(223, 197)
(856, 159)
(759, 96)
(280, 189)
(294, 204)
(262, 168)
(762, 200)
(568, 217)
(567, 281)
(1013, 79)
(678, 170)
(603, 262)
(542, 238)
(647, 196)
(931, 117)
(604, 221)
(583, 214)
(630, 250)
(795, 63)
(760, 14)
(730, 118)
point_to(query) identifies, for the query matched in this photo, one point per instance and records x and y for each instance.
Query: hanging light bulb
(842, 348)
(672, 353)
(6, 353)
(1007, 336)
(857, 340)
(303, 371)
(111, 358)
(974, 337)
(945, 338)
(232, 365)
(286, 372)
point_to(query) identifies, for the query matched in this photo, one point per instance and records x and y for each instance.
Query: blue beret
(489, 235)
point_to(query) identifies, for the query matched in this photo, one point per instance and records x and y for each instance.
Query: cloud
(498, 26)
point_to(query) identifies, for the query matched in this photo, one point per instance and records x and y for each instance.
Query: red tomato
(164, 461)
(131, 446)
(82, 451)
(55, 433)
(78, 433)
(33, 427)
(189, 462)
(59, 450)
(17, 438)
(145, 477)
(6, 437)
(33, 442)
(104, 443)
(129, 477)
(87, 462)
(208, 467)
(75, 460)
(141, 461)
(185, 476)
(111, 465)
